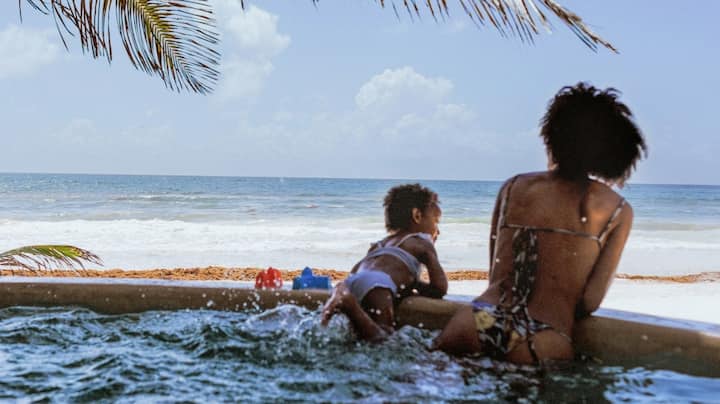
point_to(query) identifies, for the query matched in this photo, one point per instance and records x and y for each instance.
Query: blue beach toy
(309, 281)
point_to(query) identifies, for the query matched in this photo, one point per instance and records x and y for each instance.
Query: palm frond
(175, 39)
(43, 257)
(520, 18)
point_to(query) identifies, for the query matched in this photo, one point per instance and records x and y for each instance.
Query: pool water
(71, 354)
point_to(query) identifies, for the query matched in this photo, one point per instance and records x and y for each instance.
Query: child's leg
(379, 305)
(363, 323)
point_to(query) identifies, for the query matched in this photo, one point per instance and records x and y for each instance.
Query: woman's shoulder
(526, 176)
(525, 180)
(529, 177)
(608, 205)
(604, 194)
(600, 195)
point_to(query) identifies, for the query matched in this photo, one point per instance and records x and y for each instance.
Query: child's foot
(336, 302)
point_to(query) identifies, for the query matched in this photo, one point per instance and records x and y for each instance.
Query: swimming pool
(142, 340)
(74, 354)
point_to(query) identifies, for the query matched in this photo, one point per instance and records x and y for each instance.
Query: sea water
(76, 355)
(141, 222)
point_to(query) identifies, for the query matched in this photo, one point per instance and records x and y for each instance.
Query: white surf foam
(326, 243)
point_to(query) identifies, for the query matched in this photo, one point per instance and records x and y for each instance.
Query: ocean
(143, 222)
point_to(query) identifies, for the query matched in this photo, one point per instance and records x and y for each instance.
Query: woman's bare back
(573, 226)
(547, 263)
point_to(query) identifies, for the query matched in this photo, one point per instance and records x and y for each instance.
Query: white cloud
(251, 40)
(403, 86)
(256, 32)
(24, 51)
(403, 124)
(444, 120)
(243, 78)
(401, 104)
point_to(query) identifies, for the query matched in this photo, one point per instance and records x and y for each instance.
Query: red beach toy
(268, 279)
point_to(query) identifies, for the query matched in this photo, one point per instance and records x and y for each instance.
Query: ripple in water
(77, 355)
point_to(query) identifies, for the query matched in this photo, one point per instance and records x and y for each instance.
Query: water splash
(78, 355)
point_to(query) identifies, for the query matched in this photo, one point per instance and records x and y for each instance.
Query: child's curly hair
(587, 131)
(400, 201)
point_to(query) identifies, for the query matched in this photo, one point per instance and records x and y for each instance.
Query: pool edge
(610, 336)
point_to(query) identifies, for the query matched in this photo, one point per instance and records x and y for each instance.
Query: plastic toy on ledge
(269, 279)
(309, 281)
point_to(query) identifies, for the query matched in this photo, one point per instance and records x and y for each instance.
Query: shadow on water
(68, 354)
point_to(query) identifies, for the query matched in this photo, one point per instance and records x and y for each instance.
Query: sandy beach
(687, 297)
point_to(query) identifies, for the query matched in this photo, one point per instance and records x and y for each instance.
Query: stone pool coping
(609, 336)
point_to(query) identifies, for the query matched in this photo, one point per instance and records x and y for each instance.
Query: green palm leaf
(175, 39)
(43, 257)
(521, 18)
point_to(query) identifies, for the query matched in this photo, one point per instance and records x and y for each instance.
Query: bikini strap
(504, 202)
(383, 243)
(410, 261)
(616, 213)
(411, 235)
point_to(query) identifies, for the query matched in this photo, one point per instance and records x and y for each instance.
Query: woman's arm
(603, 272)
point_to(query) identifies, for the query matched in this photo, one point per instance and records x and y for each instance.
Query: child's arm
(426, 290)
(437, 288)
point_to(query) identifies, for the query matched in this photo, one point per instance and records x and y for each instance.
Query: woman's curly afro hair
(400, 201)
(587, 131)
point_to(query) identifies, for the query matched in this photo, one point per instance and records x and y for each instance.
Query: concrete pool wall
(609, 336)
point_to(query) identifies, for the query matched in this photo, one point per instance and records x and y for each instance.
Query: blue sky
(347, 90)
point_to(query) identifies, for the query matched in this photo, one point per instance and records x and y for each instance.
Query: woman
(556, 236)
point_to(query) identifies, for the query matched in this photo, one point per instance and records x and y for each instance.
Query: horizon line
(308, 177)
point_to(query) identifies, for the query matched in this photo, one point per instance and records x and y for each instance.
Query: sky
(345, 89)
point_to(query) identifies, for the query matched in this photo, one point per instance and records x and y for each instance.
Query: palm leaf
(177, 39)
(43, 257)
(520, 18)
(174, 39)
